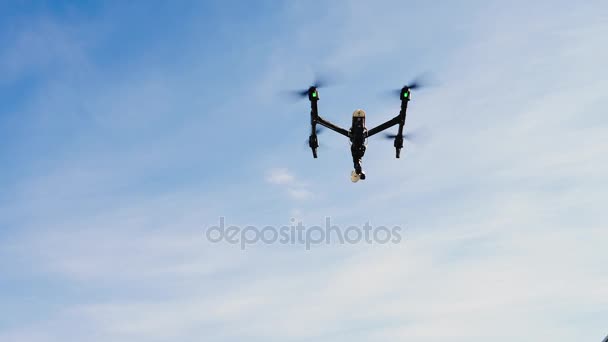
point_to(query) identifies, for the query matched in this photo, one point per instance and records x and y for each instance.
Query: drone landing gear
(398, 145)
(313, 143)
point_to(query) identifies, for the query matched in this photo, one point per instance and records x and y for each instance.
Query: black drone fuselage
(358, 132)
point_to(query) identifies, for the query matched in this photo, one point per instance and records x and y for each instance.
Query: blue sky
(129, 128)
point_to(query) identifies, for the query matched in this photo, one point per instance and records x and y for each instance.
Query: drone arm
(390, 123)
(331, 126)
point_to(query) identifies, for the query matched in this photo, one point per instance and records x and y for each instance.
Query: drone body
(358, 132)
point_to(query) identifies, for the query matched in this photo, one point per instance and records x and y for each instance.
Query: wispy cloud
(503, 210)
(280, 176)
(283, 177)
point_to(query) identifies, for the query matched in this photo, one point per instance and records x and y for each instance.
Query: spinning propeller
(406, 136)
(418, 136)
(320, 82)
(416, 83)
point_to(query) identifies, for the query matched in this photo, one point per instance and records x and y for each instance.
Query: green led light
(406, 94)
(314, 94)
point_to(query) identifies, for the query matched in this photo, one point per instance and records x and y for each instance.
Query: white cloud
(506, 242)
(280, 176)
(294, 188)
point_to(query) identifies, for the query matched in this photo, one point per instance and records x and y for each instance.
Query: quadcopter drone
(358, 132)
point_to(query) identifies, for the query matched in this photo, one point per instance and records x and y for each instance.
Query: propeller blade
(416, 136)
(395, 92)
(411, 136)
(420, 81)
(303, 93)
(389, 136)
(321, 145)
(321, 81)
(414, 85)
(297, 94)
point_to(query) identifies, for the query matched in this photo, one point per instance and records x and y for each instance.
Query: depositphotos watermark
(299, 234)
